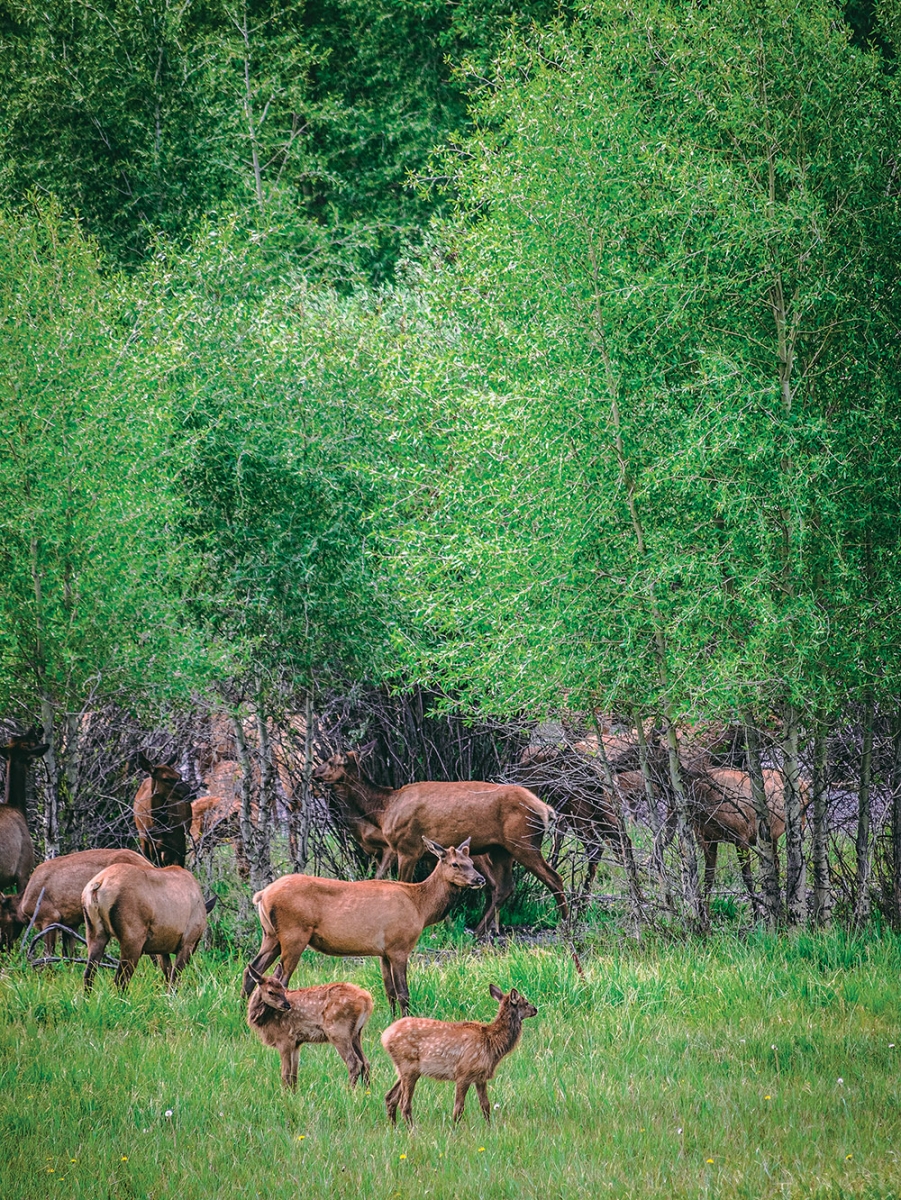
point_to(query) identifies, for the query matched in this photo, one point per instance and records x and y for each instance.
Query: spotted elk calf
(286, 1020)
(466, 1052)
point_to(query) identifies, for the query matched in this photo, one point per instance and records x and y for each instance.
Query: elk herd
(473, 831)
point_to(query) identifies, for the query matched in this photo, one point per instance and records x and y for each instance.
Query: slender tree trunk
(657, 825)
(252, 129)
(51, 796)
(795, 869)
(822, 890)
(687, 855)
(633, 886)
(267, 797)
(862, 841)
(769, 863)
(896, 825)
(248, 848)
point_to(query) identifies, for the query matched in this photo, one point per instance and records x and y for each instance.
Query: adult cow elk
(721, 810)
(502, 820)
(163, 813)
(149, 910)
(16, 863)
(19, 751)
(53, 894)
(370, 917)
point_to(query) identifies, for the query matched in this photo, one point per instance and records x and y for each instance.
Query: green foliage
(667, 328)
(90, 571)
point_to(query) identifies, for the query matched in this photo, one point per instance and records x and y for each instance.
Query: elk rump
(149, 910)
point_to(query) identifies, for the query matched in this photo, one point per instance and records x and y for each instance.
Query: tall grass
(735, 1067)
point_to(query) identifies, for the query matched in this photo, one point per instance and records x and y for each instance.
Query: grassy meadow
(738, 1067)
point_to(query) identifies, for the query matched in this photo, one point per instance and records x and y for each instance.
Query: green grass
(769, 1057)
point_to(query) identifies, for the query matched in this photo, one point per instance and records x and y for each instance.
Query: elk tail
(265, 917)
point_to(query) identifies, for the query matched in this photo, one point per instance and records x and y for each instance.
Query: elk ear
(144, 762)
(463, 848)
(514, 996)
(435, 848)
(365, 751)
(172, 759)
(39, 751)
(254, 974)
(496, 993)
(211, 903)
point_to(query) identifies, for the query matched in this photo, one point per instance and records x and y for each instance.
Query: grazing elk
(149, 910)
(163, 813)
(16, 846)
(287, 1020)
(464, 1052)
(501, 819)
(721, 809)
(371, 917)
(53, 895)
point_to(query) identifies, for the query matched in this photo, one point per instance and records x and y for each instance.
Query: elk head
(459, 869)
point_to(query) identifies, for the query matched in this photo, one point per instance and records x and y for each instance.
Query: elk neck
(16, 778)
(361, 796)
(433, 896)
(503, 1032)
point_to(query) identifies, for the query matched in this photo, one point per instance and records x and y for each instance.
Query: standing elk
(149, 910)
(721, 809)
(464, 1052)
(53, 894)
(162, 813)
(287, 1020)
(371, 917)
(502, 820)
(16, 846)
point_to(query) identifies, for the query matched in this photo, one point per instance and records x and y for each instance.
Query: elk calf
(466, 1052)
(334, 1012)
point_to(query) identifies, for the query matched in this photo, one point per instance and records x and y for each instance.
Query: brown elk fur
(149, 910)
(162, 814)
(16, 849)
(374, 917)
(504, 820)
(369, 837)
(18, 752)
(287, 1020)
(721, 809)
(465, 1052)
(62, 881)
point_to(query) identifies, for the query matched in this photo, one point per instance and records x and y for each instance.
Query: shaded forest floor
(740, 1067)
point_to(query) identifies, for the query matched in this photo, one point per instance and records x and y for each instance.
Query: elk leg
(165, 964)
(290, 1062)
(182, 958)
(744, 861)
(533, 861)
(125, 969)
(460, 1099)
(482, 1092)
(501, 890)
(358, 1049)
(406, 866)
(97, 944)
(293, 945)
(391, 1101)
(347, 1050)
(710, 851)
(406, 1098)
(385, 864)
(388, 981)
(269, 952)
(399, 970)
